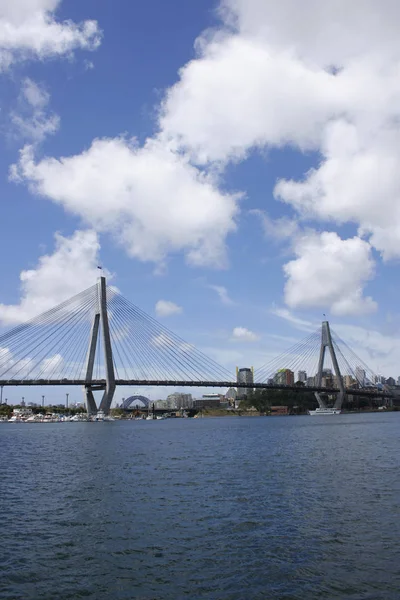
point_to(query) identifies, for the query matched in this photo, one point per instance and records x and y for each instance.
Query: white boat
(32, 419)
(325, 411)
(76, 418)
(14, 419)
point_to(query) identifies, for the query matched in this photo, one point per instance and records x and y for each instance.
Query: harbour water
(230, 508)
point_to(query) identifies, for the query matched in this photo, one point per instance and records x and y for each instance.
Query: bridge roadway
(101, 384)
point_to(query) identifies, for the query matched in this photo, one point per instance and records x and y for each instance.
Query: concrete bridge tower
(100, 319)
(326, 342)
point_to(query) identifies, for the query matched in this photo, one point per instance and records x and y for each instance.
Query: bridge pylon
(326, 342)
(100, 319)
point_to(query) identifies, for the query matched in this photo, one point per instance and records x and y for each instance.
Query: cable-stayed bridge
(98, 340)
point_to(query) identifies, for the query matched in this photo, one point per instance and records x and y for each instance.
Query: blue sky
(261, 189)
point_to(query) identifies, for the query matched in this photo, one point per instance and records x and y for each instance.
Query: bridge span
(99, 340)
(100, 384)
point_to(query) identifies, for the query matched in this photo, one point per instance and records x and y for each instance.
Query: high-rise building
(302, 376)
(284, 377)
(178, 400)
(208, 401)
(348, 381)
(245, 375)
(360, 376)
(327, 381)
(231, 396)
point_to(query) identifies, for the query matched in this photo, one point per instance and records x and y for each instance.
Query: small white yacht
(99, 416)
(325, 411)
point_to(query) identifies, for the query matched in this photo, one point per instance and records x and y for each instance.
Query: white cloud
(88, 65)
(311, 75)
(358, 181)
(151, 198)
(242, 93)
(34, 94)
(222, 294)
(244, 335)
(299, 323)
(319, 76)
(29, 29)
(165, 308)
(69, 270)
(282, 228)
(330, 273)
(32, 121)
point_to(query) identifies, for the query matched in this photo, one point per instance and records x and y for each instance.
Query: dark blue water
(229, 508)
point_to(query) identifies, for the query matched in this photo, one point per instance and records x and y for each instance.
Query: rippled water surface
(229, 508)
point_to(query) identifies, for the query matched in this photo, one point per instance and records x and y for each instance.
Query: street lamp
(67, 401)
(42, 401)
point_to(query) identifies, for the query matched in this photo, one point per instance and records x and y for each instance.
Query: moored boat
(325, 411)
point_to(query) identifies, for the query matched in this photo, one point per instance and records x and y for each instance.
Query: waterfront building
(284, 377)
(231, 396)
(245, 375)
(390, 381)
(302, 376)
(360, 376)
(161, 404)
(279, 410)
(208, 401)
(327, 380)
(179, 400)
(310, 381)
(348, 381)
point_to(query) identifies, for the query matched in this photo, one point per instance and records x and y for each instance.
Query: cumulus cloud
(358, 181)
(165, 308)
(311, 75)
(33, 121)
(70, 269)
(244, 335)
(330, 273)
(29, 29)
(319, 76)
(151, 198)
(242, 93)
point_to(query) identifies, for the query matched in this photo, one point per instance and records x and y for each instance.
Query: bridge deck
(101, 383)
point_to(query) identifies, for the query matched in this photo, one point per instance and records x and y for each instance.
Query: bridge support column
(108, 395)
(91, 406)
(326, 342)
